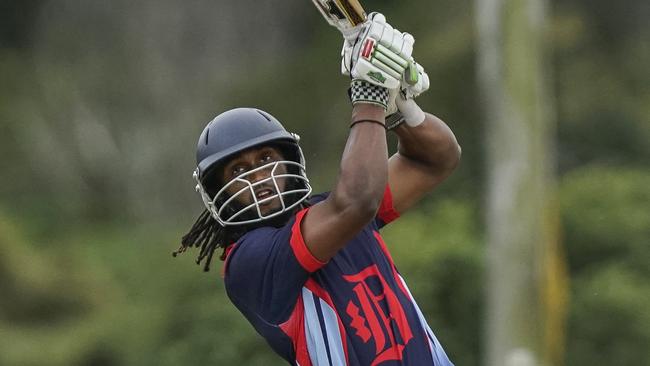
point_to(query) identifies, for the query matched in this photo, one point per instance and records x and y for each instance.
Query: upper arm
(427, 155)
(409, 182)
(326, 228)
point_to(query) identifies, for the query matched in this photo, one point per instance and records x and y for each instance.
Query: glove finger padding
(416, 81)
(380, 55)
(409, 42)
(351, 34)
(346, 58)
(378, 17)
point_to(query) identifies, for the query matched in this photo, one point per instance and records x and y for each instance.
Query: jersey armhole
(303, 255)
(387, 212)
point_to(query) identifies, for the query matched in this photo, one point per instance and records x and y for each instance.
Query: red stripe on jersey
(300, 250)
(384, 249)
(400, 284)
(294, 328)
(320, 292)
(225, 261)
(386, 211)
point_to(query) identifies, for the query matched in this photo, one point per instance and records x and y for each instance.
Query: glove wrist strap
(362, 91)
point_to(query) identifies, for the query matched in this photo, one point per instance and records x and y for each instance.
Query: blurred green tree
(607, 224)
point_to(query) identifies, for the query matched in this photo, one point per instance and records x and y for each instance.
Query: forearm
(363, 170)
(358, 191)
(432, 145)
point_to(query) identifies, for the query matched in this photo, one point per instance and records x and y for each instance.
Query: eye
(237, 170)
(267, 158)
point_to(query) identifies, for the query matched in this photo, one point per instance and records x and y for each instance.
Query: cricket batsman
(311, 272)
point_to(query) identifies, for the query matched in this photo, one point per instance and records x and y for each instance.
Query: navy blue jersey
(353, 310)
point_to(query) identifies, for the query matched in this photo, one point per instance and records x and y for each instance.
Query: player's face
(249, 160)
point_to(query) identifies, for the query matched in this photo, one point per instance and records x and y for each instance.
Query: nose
(259, 175)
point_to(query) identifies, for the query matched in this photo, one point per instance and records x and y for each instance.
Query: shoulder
(256, 244)
(258, 249)
(264, 274)
(251, 260)
(268, 245)
(264, 233)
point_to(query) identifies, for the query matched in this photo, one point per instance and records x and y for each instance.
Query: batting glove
(416, 81)
(362, 91)
(404, 101)
(380, 55)
(407, 90)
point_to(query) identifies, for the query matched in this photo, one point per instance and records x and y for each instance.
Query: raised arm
(377, 61)
(358, 191)
(427, 154)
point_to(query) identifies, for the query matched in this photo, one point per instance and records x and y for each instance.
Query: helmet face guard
(228, 209)
(237, 202)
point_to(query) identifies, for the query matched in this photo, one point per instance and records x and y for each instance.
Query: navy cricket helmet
(231, 133)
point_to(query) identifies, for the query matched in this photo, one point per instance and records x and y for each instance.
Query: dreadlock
(208, 235)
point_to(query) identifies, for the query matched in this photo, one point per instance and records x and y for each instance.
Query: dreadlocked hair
(208, 235)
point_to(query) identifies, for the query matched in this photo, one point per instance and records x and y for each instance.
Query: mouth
(264, 193)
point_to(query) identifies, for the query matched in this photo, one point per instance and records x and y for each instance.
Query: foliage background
(100, 107)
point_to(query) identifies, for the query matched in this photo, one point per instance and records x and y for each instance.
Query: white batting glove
(416, 81)
(351, 34)
(412, 86)
(391, 106)
(380, 54)
(407, 91)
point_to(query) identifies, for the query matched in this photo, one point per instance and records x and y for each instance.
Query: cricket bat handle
(342, 14)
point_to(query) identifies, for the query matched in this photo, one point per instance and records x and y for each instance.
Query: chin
(271, 208)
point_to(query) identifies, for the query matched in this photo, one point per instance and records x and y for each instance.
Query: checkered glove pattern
(362, 91)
